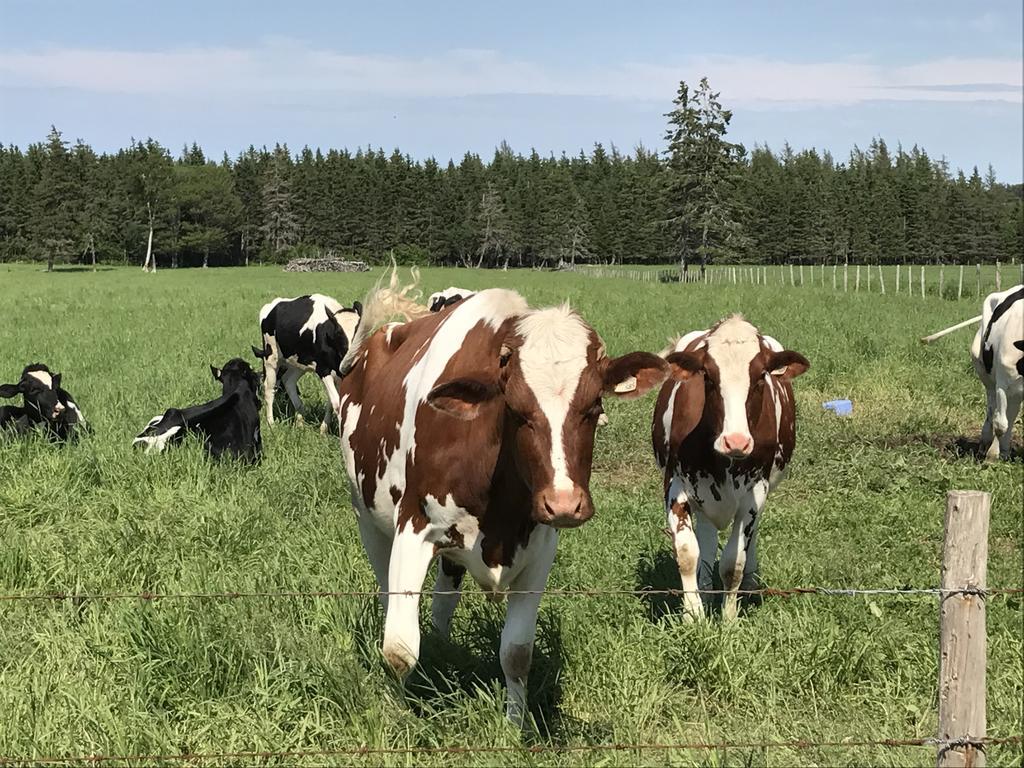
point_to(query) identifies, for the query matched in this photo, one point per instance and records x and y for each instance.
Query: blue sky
(442, 78)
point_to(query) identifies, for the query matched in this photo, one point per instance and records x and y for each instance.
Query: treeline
(66, 203)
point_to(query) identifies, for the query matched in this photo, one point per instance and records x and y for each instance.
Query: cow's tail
(384, 304)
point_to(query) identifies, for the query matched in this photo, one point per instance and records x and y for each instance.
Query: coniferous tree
(495, 233)
(703, 173)
(280, 227)
(56, 196)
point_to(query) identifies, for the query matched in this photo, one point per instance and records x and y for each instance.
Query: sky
(439, 79)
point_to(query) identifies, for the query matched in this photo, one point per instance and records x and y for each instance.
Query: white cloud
(288, 68)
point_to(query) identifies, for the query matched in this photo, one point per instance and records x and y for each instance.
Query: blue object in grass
(839, 407)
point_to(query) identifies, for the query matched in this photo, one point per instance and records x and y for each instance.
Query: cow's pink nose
(738, 444)
(566, 508)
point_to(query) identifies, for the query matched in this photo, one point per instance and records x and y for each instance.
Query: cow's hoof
(400, 661)
(299, 419)
(323, 429)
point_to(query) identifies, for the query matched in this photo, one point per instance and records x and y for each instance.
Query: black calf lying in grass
(230, 424)
(46, 406)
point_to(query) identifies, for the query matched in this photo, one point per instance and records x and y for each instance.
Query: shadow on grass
(660, 572)
(949, 445)
(73, 270)
(469, 664)
(465, 665)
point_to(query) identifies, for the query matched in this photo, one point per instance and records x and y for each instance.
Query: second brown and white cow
(724, 431)
(469, 433)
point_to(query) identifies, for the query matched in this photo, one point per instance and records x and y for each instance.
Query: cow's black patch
(987, 353)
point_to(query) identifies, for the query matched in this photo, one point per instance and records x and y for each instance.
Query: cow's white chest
(718, 502)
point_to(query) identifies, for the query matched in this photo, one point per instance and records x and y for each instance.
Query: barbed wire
(946, 744)
(147, 596)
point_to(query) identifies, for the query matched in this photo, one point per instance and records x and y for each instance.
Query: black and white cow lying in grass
(447, 297)
(45, 405)
(998, 356)
(302, 335)
(230, 424)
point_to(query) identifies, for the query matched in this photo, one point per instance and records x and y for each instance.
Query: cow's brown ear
(634, 374)
(462, 398)
(684, 365)
(787, 363)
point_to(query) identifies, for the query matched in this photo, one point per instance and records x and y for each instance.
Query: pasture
(862, 508)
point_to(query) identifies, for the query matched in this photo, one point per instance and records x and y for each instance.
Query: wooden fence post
(962, 630)
(910, 279)
(846, 277)
(881, 279)
(801, 274)
(869, 277)
(835, 268)
(897, 279)
(999, 278)
(921, 270)
(792, 279)
(960, 284)
(942, 280)
(856, 288)
(977, 275)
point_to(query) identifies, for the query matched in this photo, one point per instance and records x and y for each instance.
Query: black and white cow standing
(446, 298)
(45, 405)
(307, 334)
(229, 424)
(998, 356)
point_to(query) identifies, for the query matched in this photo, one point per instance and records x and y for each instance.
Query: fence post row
(962, 630)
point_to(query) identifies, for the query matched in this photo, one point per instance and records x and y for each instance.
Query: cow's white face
(737, 365)
(733, 347)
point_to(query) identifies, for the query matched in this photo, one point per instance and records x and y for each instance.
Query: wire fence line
(146, 596)
(199, 757)
(950, 281)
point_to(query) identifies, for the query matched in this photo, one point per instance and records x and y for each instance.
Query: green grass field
(863, 506)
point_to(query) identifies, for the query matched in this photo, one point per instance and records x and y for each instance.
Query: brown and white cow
(469, 433)
(724, 431)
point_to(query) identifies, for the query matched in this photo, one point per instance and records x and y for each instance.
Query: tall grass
(862, 507)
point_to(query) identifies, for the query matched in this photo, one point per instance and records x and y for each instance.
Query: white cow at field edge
(997, 356)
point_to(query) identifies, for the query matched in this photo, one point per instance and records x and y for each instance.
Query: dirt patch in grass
(948, 444)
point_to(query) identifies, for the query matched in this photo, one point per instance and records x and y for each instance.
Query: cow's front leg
(377, 546)
(985, 441)
(334, 402)
(290, 379)
(687, 550)
(269, 385)
(410, 558)
(447, 588)
(733, 564)
(1008, 402)
(520, 628)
